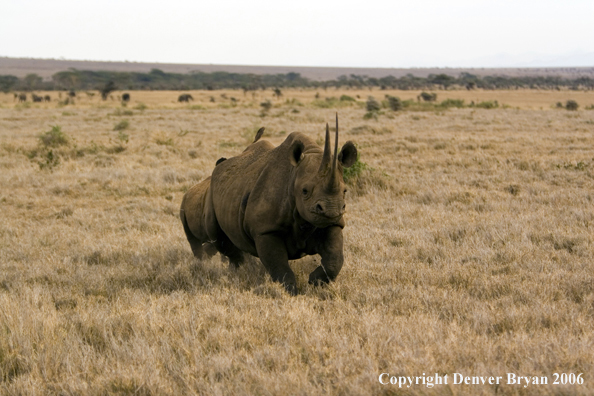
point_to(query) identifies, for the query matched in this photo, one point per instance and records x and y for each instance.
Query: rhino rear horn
(327, 153)
(335, 148)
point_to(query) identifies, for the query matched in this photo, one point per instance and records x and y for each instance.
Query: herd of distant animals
(125, 97)
(22, 97)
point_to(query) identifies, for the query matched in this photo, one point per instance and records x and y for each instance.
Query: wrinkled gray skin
(280, 204)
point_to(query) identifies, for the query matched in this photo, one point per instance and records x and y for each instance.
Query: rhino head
(319, 187)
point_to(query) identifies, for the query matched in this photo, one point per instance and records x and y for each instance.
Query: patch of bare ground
(468, 249)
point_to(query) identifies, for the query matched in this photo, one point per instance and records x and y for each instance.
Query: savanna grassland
(468, 248)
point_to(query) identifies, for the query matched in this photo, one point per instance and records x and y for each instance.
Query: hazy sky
(395, 33)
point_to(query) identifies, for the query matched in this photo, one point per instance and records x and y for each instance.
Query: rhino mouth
(324, 220)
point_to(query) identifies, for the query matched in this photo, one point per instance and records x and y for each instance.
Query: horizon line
(61, 59)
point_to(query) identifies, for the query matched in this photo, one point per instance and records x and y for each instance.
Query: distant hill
(45, 68)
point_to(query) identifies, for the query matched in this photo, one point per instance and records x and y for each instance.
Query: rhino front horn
(332, 183)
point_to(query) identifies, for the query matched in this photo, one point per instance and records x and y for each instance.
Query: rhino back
(232, 183)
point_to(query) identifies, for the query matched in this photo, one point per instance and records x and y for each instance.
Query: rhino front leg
(330, 249)
(273, 254)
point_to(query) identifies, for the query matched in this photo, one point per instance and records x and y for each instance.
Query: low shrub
(54, 137)
(571, 105)
(490, 104)
(372, 104)
(120, 126)
(457, 103)
(394, 103)
(361, 178)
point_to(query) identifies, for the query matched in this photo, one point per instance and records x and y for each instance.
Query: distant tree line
(159, 80)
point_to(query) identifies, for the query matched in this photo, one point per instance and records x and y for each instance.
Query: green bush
(362, 178)
(457, 103)
(489, 104)
(347, 98)
(49, 161)
(372, 104)
(54, 137)
(120, 126)
(394, 103)
(571, 105)
(333, 102)
(353, 172)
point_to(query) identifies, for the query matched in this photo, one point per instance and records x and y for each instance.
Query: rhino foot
(291, 288)
(319, 277)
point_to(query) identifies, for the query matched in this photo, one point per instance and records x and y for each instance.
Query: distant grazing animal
(126, 97)
(36, 98)
(427, 97)
(72, 93)
(185, 98)
(280, 204)
(22, 97)
(47, 98)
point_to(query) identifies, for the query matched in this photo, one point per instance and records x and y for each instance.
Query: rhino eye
(304, 191)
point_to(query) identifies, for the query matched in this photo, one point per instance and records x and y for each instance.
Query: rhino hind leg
(202, 250)
(209, 249)
(218, 239)
(199, 248)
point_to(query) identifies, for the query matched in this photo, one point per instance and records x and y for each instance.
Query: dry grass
(469, 249)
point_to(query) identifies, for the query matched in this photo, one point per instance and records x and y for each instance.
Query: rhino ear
(296, 151)
(348, 154)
